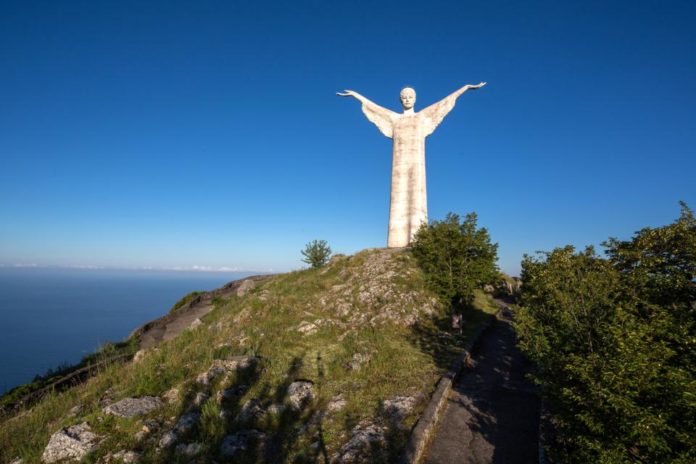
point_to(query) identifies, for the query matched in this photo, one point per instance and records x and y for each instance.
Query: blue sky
(180, 134)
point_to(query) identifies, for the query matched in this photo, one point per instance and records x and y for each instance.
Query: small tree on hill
(316, 253)
(456, 257)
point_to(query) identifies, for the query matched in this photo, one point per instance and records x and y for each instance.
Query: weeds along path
(492, 414)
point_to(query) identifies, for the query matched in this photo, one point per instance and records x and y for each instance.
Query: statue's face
(408, 98)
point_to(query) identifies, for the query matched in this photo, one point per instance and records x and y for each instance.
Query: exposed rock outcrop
(70, 444)
(366, 437)
(133, 407)
(300, 393)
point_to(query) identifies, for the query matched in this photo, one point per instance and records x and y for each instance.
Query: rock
(397, 408)
(245, 287)
(184, 425)
(70, 443)
(126, 457)
(300, 393)
(366, 437)
(150, 426)
(138, 356)
(140, 436)
(168, 439)
(17, 461)
(222, 366)
(133, 407)
(251, 411)
(232, 392)
(189, 450)
(358, 360)
(336, 404)
(171, 396)
(200, 398)
(240, 441)
(307, 328)
(195, 323)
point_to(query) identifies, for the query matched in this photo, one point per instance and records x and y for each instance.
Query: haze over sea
(52, 316)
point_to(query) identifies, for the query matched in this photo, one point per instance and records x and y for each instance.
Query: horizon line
(194, 268)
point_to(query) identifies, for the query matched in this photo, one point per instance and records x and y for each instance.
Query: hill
(330, 364)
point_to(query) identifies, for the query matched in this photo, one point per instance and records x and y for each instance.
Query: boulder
(240, 442)
(232, 392)
(171, 396)
(307, 328)
(397, 408)
(336, 404)
(250, 412)
(133, 407)
(300, 393)
(70, 444)
(168, 439)
(223, 366)
(184, 425)
(366, 438)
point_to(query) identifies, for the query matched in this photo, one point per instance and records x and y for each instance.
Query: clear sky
(181, 134)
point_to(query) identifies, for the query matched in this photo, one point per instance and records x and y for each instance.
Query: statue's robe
(408, 208)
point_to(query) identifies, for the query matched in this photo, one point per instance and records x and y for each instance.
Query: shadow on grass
(262, 429)
(441, 342)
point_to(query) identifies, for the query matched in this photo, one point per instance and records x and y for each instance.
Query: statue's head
(408, 98)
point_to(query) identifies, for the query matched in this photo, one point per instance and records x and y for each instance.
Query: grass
(360, 350)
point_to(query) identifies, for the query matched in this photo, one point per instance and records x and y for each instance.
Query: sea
(54, 316)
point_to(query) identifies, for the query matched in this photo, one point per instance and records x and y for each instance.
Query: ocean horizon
(53, 316)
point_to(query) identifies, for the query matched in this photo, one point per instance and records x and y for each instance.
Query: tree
(316, 253)
(456, 257)
(614, 341)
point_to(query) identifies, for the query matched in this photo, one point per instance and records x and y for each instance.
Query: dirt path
(492, 413)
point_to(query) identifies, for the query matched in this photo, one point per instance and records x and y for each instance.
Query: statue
(408, 207)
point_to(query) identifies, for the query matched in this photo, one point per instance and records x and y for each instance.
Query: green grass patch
(364, 329)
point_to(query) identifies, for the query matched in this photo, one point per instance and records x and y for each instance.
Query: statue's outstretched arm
(436, 112)
(379, 116)
(459, 92)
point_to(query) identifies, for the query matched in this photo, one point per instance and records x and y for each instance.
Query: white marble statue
(409, 207)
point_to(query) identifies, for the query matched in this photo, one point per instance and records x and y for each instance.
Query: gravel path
(492, 413)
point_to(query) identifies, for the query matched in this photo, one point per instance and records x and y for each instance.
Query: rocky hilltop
(322, 365)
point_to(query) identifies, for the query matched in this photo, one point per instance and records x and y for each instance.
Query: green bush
(316, 253)
(456, 257)
(614, 341)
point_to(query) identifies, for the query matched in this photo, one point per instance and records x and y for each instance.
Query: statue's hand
(346, 93)
(481, 84)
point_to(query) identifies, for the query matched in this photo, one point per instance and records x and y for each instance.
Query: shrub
(316, 253)
(456, 257)
(614, 341)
